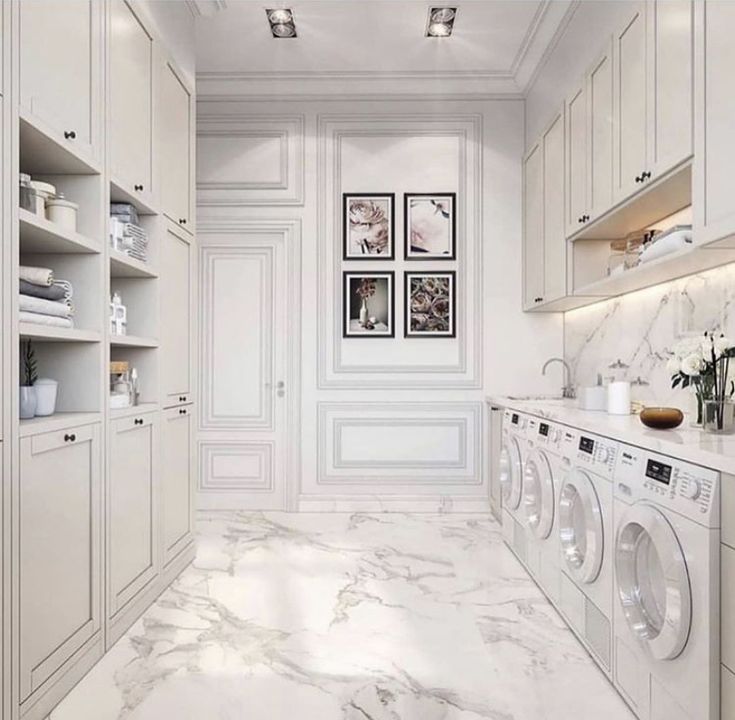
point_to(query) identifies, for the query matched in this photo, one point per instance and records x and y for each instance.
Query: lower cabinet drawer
(58, 513)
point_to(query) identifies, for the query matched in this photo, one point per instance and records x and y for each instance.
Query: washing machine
(512, 459)
(544, 468)
(666, 587)
(585, 541)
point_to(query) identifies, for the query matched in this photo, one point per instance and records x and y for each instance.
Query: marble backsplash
(641, 328)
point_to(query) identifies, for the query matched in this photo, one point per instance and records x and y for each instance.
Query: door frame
(290, 231)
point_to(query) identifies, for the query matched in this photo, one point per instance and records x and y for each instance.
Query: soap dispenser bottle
(618, 390)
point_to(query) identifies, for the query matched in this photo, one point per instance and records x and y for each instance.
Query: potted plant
(30, 375)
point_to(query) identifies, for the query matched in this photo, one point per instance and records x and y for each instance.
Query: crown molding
(205, 8)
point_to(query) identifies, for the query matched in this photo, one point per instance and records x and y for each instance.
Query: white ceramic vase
(27, 402)
(46, 390)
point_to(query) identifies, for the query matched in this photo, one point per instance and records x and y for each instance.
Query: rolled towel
(36, 275)
(28, 303)
(57, 291)
(68, 289)
(50, 320)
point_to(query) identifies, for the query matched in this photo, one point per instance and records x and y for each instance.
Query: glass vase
(696, 410)
(719, 416)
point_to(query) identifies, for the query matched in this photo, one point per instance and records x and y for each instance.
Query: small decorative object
(662, 418)
(368, 304)
(118, 316)
(63, 212)
(430, 226)
(706, 366)
(46, 390)
(368, 226)
(30, 375)
(429, 305)
(121, 390)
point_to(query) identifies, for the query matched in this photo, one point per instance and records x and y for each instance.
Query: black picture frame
(348, 306)
(377, 257)
(407, 291)
(412, 255)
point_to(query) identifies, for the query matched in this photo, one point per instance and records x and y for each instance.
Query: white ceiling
(493, 40)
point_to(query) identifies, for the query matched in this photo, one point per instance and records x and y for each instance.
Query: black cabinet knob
(182, 221)
(70, 135)
(70, 437)
(138, 421)
(638, 179)
(646, 175)
(538, 299)
(139, 188)
(182, 412)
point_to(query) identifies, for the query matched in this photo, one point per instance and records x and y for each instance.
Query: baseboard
(400, 503)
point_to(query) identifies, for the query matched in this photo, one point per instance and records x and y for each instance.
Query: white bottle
(618, 397)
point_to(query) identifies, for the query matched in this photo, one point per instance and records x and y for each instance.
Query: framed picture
(368, 309)
(430, 226)
(430, 304)
(368, 226)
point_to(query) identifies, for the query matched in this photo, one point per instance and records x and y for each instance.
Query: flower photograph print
(368, 227)
(430, 304)
(430, 226)
(368, 304)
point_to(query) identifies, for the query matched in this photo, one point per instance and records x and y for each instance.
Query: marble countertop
(684, 443)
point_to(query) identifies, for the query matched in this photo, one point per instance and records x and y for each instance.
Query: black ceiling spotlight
(441, 21)
(282, 22)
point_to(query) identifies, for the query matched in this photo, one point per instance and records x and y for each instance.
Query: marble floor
(347, 617)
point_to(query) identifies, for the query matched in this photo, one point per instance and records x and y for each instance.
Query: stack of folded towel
(126, 234)
(43, 300)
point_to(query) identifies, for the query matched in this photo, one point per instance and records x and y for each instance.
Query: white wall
(581, 42)
(396, 423)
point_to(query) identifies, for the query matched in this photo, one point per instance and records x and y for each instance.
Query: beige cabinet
(60, 48)
(132, 509)
(727, 710)
(715, 119)
(653, 75)
(577, 199)
(174, 145)
(544, 246)
(131, 100)
(176, 316)
(176, 481)
(59, 541)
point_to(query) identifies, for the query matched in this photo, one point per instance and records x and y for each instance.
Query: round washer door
(653, 581)
(580, 527)
(511, 469)
(538, 494)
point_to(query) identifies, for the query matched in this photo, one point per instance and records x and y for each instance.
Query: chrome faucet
(568, 390)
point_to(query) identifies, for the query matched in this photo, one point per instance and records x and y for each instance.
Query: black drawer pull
(538, 299)
(182, 412)
(70, 438)
(139, 188)
(70, 135)
(182, 398)
(138, 421)
(182, 221)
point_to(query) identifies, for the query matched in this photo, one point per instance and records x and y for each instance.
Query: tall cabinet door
(630, 108)
(176, 481)
(132, 507)
(58, 544)
(60, 62)
(176, 316)
(174, 145)
(577, 159)
(600, 115)
(555, 251)
(533, 227)
(131, 100)
(670, 83)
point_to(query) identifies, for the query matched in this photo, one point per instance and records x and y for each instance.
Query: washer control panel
(595, 454)
(547, 435)
(685, 488)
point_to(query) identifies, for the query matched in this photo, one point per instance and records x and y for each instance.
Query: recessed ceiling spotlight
(441, 21)
(281, 22)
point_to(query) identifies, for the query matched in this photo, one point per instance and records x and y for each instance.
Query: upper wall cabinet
(131, 101)
(715, 110)
(63, 98)
(653, 93)
(174, 146)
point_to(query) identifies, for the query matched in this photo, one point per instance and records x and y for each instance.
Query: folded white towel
(31, 304)
(36, 275)
(51, 320)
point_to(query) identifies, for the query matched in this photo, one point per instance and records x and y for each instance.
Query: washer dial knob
(692, 489)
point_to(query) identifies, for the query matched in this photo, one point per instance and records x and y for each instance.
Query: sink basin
(540, 398)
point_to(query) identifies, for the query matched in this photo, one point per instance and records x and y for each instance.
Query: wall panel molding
(236, 467)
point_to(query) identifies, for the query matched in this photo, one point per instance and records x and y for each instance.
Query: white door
(580, 527)
(538, 494)
(245, 324)
(653, 581)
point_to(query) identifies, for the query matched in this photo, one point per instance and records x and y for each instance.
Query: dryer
(585, 542)
(543, 472)
(666, 586)
(511, 463)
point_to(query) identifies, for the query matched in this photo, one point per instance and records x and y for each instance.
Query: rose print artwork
(368, 227)
(430, 304)
(430, 226)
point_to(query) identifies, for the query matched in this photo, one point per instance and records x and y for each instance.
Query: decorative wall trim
(287, 130)
(443, 503)
(332, 132)
(256, 477)
(461, 465)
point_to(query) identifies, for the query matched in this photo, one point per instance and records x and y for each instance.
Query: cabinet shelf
(41, 151)
(133, 341)
(45, 333)
(123, 266)
(38, 235)
(57, 421)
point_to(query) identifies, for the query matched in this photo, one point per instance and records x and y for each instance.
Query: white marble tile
(347, 617)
